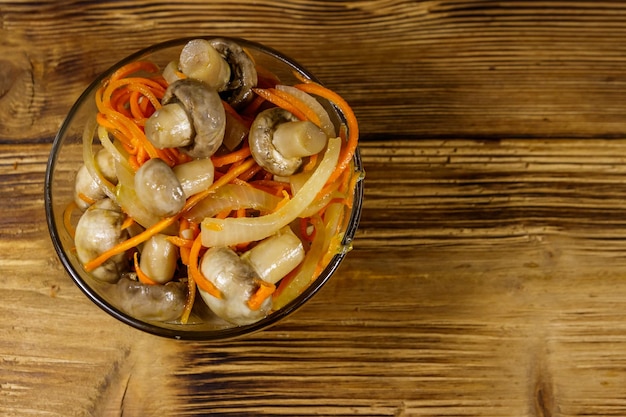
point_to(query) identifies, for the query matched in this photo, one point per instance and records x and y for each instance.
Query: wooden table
(488, 277)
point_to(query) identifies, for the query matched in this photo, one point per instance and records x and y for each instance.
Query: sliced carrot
(231, 158)
(191, 299)
(134, 67)
(300, 105)
(196, 274)
(128, 222)
(67, 218)
(272, 97)
(284, 201)
(311, 163)
(86, 198)
(250, 173)
(265, 290)
(180, 242)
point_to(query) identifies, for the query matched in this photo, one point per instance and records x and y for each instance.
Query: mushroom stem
(169, 127)
(195, 176)
(276, 256)
(299, 139)
(200, 60)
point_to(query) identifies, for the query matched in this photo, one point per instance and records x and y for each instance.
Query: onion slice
(232, 231)
(232, 197)
(89, 158)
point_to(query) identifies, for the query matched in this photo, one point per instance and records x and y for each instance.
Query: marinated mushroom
(86, 189)
(195, 176)
(158, 189)
(237, 282)
(169, 127)
(99, 229)
(172, 73)
(299, 139)
(243, 78)
(201, 61)
(193, 107)
(159, 259)
(278, 141)
(149, 302)
(276, 256)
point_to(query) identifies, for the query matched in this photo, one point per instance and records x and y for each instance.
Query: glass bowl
(67, 155)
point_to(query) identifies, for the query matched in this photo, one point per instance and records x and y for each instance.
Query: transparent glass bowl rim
(180, 332)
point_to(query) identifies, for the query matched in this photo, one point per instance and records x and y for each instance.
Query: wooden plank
(487, 277)
(517, 310)
(431, 69)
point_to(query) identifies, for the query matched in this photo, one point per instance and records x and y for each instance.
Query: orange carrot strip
(150, 89)
(305, 222)
(231, 158)
(191, 298)
(195, 273)
(300, 105)
(134, 67)
(223, 214)
(86, 198)
(128, 221)
(351, 187)
(67, 218)
(247, 175)
(142, 155)
(180, 241)
(182, 226)
(265, 290)
(277, 188)
(134, 164)
(119, 132)
(135, 134)
(118, 101)
(195, 228)
(184, 255)
(146, 107)
(311, 163)
(188, 233)
(177, 156)
(104, 122)
(135, 107)
(282, 202)
(272, 97)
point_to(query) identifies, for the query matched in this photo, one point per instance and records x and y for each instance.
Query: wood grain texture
(487, 278)
(477, 68)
